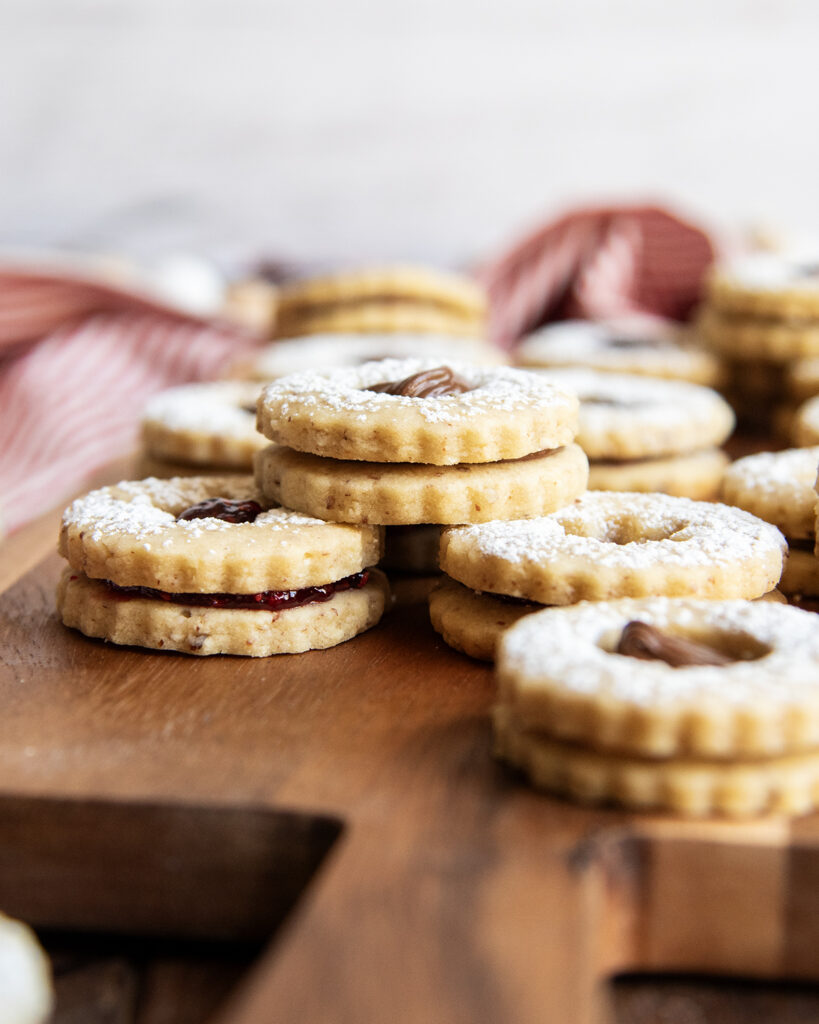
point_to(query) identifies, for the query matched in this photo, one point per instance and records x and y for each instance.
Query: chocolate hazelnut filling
(267, 600)
(433, 383)
(626, 343)
(229, 510)
(641, 640)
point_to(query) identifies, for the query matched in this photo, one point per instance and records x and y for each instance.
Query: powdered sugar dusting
(571, 649)
(615, 407)
(497, 389)
(787, 477)
(671, 532)
(218, 409)
(654, 344)
(146, 509)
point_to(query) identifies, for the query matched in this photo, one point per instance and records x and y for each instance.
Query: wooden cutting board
(159, 794)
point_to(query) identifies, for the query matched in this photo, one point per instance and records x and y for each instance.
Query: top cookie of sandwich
(767, 284)
(415, 410)
(641, 345)
(631, 417)
(207, 535)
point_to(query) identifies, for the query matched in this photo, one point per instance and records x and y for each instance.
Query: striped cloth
(78, 359)
(597, 263)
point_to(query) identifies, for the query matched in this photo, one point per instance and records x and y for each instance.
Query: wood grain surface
(162, 794)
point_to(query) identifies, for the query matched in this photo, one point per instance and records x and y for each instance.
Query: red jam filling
(230, 510)
(267, 600)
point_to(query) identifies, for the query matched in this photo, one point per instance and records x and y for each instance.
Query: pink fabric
(597, 263)
(78, 359)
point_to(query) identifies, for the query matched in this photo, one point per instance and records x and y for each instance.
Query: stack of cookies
(649, 435)
(407, 442)
(383, 300)
(602, 547)
(698, 707)
(647, 346)
(779, 488)
(207, 565)
(201, 428)
(761, 313)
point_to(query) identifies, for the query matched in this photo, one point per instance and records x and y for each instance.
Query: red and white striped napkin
(597, 263)
(78, 359)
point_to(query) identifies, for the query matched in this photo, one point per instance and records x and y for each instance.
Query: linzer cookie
(642, 345)
(383, 299)
(698, 707)
(604, 546)
(329, 351)
(208, 427)
(779, 487)
(649, 435)
(609, 545)
(775, 285)
(418, 411)
(206, 565)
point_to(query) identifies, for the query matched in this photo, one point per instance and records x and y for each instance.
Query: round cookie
(394, 283)
(97, 611)
(395, 494)
(767, 285)
(609, 545)
(778, 487)
(805, 424)
(326, 351)
(375, 317)
(697, 475)
(504, 414)
(749, 337)
(629, 417)
(206, 425)
(645, 346)
(565, 672)
(473, 623)
(695, 788)
(129, 534)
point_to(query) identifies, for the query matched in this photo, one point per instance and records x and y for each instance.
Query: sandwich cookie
(697, 707)
(207, 565)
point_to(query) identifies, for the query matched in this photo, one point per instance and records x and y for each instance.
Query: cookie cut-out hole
(646, 642)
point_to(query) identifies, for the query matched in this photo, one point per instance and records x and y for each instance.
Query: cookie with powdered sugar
(207, 565)
(642, 345)
(418, 411)
(694, 706)
(402, 494)
(780, 286)
(628, 417)
(778, 487)
(203, 426)
(329, 351)
(608, 545)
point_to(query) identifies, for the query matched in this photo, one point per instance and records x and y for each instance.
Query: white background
(315, 129)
